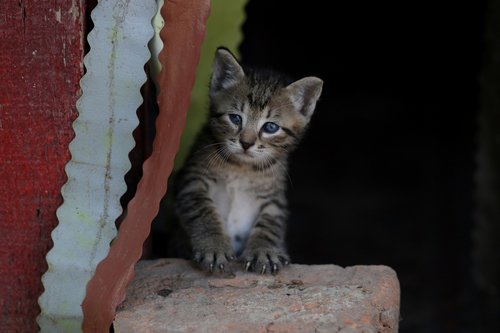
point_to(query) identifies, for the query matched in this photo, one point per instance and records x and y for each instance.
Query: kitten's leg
(198, 216)
(265, 250)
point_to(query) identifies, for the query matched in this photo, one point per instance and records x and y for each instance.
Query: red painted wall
(41, 54)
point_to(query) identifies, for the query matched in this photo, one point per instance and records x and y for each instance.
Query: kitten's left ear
(305, 93)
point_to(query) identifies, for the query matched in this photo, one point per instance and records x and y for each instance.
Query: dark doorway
(385, 175)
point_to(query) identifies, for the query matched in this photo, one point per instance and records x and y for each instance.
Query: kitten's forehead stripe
(260, 95)
(263, 86)
(244, 107)
(268, 113)
(236, 105)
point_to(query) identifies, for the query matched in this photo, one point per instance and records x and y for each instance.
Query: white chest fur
(238, 208)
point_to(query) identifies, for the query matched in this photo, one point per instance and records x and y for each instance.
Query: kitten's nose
(245, 144)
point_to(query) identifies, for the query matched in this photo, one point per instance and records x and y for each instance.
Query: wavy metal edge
(183, 35)
(103, 140)
(156, 44)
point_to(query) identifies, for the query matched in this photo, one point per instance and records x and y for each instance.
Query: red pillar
(41, 53)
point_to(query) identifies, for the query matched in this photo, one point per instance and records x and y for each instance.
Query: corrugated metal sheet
(107, 117)
(183, 34)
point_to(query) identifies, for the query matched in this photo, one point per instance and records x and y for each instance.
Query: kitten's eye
(270, 128)
(235, 119)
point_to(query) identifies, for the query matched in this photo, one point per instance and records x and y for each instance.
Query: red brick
(170, 295)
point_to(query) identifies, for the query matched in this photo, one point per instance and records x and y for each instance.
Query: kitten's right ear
(226, 71)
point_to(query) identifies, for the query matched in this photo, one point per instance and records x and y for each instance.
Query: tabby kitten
(230, 194)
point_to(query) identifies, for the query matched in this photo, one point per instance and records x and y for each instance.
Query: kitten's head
(258, 116)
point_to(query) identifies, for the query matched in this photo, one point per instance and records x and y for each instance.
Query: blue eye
(270, 128)
(235, 119)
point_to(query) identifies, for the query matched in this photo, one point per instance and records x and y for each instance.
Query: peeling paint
(23, 15)
(74, 10)
(33, 180)
(64, 54)
(58, 14)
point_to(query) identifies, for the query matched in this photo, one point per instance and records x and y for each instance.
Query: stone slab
(171, 295)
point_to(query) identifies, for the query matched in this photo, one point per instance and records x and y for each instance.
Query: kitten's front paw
(262, 260)
(215, 257)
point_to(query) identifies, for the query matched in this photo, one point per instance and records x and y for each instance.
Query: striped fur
(230, 194)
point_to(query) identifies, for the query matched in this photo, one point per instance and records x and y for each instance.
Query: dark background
(386, 173)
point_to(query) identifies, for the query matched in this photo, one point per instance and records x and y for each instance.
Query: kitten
(230, 194)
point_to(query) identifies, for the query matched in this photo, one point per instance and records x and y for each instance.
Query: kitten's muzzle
(246, 144)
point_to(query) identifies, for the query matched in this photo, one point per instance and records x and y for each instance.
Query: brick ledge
(170, 295)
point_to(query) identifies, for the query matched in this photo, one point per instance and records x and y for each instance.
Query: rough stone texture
(170, 295)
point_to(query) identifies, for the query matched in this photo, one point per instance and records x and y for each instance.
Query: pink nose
(246, 145)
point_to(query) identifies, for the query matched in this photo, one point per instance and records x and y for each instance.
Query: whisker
(286, 172)
(226, 154)
(278, 164)
(213, 158)
(208, 146)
